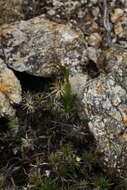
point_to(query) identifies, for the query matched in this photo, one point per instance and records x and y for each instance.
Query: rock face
(104, 102)
(36, 46)
(10, 91)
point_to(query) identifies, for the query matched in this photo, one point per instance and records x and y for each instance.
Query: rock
(78, 82)
(119, 20)
(51, 12)
(93, 1)
(15, 2)
(91, 53)
(94, 39)
(10, 11)
(6, 110)
(116, 15)
(96, 11)
(104, 103)
(37, 46)
(119, 31)
(10, 91)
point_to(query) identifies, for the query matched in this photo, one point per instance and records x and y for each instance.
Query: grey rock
(37, 46)
(10, 91)
(104, 104)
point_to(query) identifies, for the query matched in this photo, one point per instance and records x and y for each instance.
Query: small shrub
(102, 183)
(61, 95)
(28, 103)
(91, 157)
(48, 184)
(68, 99)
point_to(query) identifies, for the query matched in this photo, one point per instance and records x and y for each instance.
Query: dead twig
(106, 22)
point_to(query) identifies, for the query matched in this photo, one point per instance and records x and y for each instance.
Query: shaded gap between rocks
(92, 69)
(33, 83)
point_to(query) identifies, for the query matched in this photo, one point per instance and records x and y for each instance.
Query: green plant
(102, 183)
(12, 123)
(2, 177)
(84, 184)
(64, 171)
(69, 187)
(11, 126)
(34, 180)
(89, 156)
(61, 93)
(28, 102)
(67, 98)
(64, 162)
(122, 183)
(57, 88)
(67, 150)
(55, 158)
(48, 184)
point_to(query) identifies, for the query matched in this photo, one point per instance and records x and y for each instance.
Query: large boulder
(37, 46)
(10, 91)
(104, 104)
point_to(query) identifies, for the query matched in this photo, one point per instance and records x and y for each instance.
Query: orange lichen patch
(88, 20)
(125, 122)
(5, 89)
(124, 57)
(119, 30)
(5, 26)
(125, 111)
(100, 89)
(4, 29)
(112, 52)
(117, 52)
(123, 137)
(55, 27)
(118, 20)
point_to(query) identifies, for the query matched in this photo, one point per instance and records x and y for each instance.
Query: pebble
(119, 31)
(94, 39)
(96, 11)
(116, 15)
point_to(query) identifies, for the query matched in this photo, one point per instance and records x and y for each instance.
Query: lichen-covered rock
(104, 103)
(5, 108)
(36, 46)
(10, 91)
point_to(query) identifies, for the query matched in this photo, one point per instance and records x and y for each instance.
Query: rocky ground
(45, 144)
